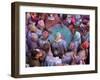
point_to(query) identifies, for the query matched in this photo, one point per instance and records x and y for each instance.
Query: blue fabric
(64, 32)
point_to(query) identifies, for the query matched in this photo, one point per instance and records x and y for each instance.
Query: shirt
(77, 39)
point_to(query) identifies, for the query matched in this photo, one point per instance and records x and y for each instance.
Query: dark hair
(45, 29)
(34, 53)
(56, 52)
(71, 24)
(87, 17)
(85, 23)
(46, 47)
(64, 16)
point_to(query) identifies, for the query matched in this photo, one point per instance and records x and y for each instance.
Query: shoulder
(77, 34)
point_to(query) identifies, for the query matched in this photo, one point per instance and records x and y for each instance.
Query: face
(41, 23)
(72, 45)
(39, 55)
(71, 27)
(34, 37)
(45, 34)
(34, 15)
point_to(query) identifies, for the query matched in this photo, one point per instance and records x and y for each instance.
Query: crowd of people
(57, 39)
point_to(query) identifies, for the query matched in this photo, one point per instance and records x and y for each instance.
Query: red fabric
(85, 45)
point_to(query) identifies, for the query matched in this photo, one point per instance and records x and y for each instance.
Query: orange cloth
(85, 44)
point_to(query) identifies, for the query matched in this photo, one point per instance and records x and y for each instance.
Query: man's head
(34, 15)
(58, 36)
(36, 54)
(32, 27)
(34, 36)
(71, 27)
(45, 34)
